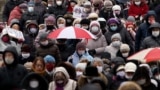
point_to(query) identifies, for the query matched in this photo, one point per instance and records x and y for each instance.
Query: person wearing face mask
(96, 46)
(26, 55)
(153, 40)
(34, 81)
(114, 47)
(97, 5)
(142, 78)
(130, 69)
(117, 12)
(156, 75)
(118, 78)
(97, 62)
(80, 68)
(62, 80)
(12, 73)
(69, 19)
(138, 8)
(115, 26)
(58, 9)
(76, 23)
(60, 22)
(85, 23)
(50, 22)
(79, 53)
(124, 51)
(87, 9)
(106, 11)
(46, 47)
(50, 64)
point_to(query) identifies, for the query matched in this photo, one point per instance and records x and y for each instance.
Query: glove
(92, 52)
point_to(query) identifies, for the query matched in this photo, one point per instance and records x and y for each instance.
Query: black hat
(91, 71)
(85, 21)
(106, 55)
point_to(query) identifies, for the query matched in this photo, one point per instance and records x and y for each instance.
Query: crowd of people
(32, 61)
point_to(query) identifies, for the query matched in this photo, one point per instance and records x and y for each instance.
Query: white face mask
(60, 82)
(81, 52)
(49, 5)
(128, 77)
(121, 73)
(34, 84)
(59, 3)
(45, 43)
(100, 69)
(141, 82)
(94, 29)
(9, 60)
(77, 25)
(30, 9)
(117, 12)
(26, 55)
(157, 77)
(155, 33)
(85, 27)
(61, 25)
(125, 54)
(138, 3)
(78, 73)
(116, 44)
(33, 30)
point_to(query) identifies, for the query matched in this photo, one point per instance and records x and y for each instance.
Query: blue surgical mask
(113, 28)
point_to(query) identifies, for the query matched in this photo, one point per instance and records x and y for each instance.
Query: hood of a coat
(150, 13)
(43, 84)
(13, 50)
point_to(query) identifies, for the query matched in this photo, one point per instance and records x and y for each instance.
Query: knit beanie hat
(63, 70)
(131, 19)
(130, 67)
(94, 23)
(108, 4)
(116, 36)
(116, 7)
(113, 20)
(124, 47)
(81, 45)
(49, 59)
(50, 18)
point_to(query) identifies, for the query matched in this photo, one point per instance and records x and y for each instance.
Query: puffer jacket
(50, 49)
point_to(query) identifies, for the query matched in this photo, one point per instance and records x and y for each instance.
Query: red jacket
(135, 10)
(15, 14)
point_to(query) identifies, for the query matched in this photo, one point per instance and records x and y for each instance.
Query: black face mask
(50, 27)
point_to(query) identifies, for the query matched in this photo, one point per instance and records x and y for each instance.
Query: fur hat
(81, 66)
(130, 67)
(25, 48)
(63, 70)
(93, 15)
(91, 71)
(124, 47)
(129, 85)
(49, 59)
(81, 45)
(116, 7)
(117, 36)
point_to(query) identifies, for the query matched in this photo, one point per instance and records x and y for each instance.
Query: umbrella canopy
(71, 33)
(147, 55)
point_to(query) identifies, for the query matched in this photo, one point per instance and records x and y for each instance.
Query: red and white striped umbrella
(147, 55)
(71, 33)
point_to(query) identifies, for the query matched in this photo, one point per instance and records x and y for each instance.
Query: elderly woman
(62, 80)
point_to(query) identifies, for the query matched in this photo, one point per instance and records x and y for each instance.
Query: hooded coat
(43, 85)
(151, 41)
(142, 31)
(12, 74)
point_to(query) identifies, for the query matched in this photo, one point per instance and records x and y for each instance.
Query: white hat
(130, 67)
(81, 66)
(121, 67)
(63, 70)
(124, 47)
(116, 7)
(93, 15)
(87, 3)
